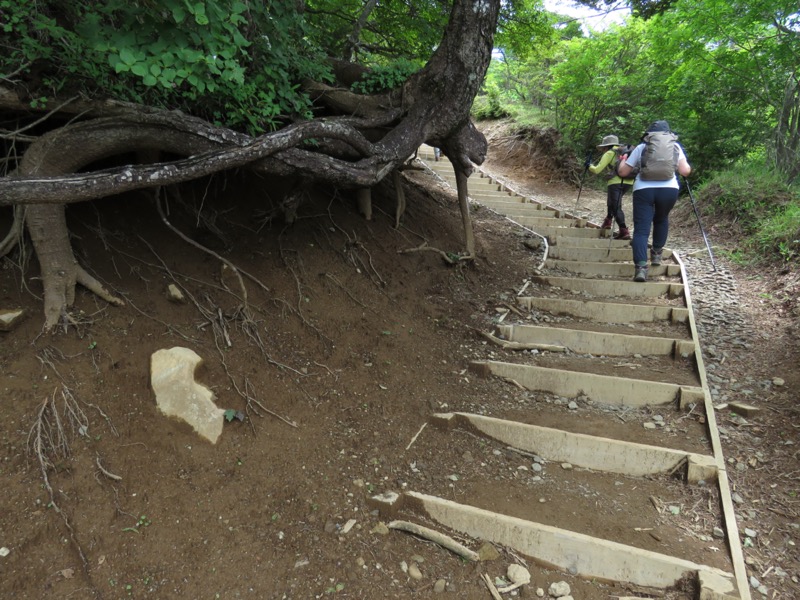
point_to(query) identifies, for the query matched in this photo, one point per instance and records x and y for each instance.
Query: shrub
(764, 206)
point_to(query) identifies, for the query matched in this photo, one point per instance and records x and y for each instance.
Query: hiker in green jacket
(616, 188)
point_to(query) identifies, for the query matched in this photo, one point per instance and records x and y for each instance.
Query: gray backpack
(660, 156)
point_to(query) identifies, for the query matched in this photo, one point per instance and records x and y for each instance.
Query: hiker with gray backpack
(655, 191)
(613, 154)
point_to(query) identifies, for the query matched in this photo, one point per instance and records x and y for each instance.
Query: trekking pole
(585, 170)
(699, 223)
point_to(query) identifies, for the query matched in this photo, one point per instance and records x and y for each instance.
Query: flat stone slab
(179, 395)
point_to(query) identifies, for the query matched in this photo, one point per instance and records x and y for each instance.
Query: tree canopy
(341, 92)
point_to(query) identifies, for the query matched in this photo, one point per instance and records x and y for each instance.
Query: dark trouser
(651, 207)
(614, 202)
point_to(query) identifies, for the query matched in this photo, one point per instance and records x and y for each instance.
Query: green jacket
(607, 163)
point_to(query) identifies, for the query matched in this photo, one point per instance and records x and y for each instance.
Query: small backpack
(659, 157)
(621, 154)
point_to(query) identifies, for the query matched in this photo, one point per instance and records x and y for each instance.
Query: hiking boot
(607, 223)
(641, 273)
(623, 234)
(656, 256)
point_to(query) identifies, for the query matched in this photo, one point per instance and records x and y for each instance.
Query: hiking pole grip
(699, 222)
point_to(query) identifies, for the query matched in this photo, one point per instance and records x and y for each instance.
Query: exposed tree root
(448, 257)
(190, 241)
(48, 443)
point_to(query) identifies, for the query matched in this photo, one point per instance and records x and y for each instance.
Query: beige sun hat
(609, 140)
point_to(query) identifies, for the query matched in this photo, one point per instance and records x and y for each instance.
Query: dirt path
(359, 346)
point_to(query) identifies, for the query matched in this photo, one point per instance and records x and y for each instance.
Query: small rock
(718, 532)
(488, 552)
(539, 592)
(380, 529)
(518, 574)
(536, 467)
(330, 526)
(559, 589)
(762, 589)
(750, 532)
(4, 552)
(414, 572)
(174, 294)
(572, 405)
(778, 382)
(658, 418)
(566, 466)
(9, 319)
(754, 583)
(649, 425)
(360, 561)
(439, 586)
(737, 498)
(348, 526)
(675, 510)
(744, 409)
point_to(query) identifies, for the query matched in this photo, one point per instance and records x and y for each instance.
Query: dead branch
(491, 587)
(519, 345)
(437, 537)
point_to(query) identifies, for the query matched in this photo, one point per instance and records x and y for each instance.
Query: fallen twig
(414, 439)
(519, 345)
(492, 589)
(437, 537)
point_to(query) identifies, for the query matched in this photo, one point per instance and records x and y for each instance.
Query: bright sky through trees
(589, 18)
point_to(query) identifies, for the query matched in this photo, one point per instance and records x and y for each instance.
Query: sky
(589, 18)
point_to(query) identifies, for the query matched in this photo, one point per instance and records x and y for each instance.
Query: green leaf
(149, 80)
(139, 69)
(230, 415)
(126, 56)
(200, 14)
(178, 14)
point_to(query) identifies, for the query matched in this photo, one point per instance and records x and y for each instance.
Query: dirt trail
(360, 345)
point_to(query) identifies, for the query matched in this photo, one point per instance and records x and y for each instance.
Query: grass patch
(762, 205)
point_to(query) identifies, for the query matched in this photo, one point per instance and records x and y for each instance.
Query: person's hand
(587, 162)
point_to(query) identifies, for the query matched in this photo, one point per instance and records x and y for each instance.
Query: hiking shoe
(656, 256)
(641, 273)
(623, 234)
(607, 223)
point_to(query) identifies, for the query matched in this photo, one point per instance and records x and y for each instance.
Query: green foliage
(780, 233)
(764, 206)
(225, 60)
(384, 78)
(391, 30)
(489, 106)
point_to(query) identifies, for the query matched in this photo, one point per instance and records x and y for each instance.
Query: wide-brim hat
(609, 140)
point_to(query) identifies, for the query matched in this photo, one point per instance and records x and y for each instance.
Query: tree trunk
(350, 152)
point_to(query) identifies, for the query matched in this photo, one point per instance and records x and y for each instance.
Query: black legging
(614, 202)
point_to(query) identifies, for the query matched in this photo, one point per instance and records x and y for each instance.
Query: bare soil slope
(356, 346)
